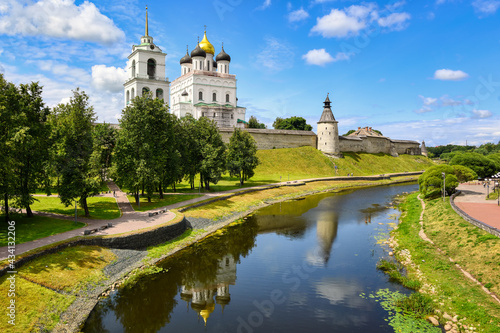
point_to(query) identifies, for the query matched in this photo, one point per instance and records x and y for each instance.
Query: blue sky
(420, 70)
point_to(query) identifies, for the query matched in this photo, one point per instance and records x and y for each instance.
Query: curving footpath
(131, 220)
(473, 202)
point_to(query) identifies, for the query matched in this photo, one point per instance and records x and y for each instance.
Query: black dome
(223, 56)
(198, 52)
(186, 59)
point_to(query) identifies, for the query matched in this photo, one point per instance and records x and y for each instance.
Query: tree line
(63, 150)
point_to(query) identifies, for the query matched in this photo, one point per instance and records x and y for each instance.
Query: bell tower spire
(147, 32)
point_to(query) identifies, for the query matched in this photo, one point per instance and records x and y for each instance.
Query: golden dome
(205, 313)
(206, 45)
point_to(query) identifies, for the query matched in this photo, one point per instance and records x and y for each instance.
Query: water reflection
(213, 286)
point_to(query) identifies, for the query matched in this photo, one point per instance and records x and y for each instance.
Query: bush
(431, 181)
(482, 166)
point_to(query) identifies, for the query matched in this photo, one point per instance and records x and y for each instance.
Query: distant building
(205, 88)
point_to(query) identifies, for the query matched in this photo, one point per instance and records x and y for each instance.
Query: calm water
(297, 266)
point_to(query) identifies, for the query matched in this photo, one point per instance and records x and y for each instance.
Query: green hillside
(307, 162)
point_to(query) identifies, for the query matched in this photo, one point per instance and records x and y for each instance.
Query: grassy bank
(307, 162)
(48, 285)
(473, 249)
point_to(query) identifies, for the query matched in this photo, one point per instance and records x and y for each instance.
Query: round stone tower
(328, 132)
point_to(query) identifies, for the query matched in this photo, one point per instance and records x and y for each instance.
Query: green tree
(73, 143)
(463, 173)
(213, 152)
(189, 148)
(242, 155)
(431, 181)
(169, 162)
(349, 132)
(31, 144)
(139, 147)
(104, 139)
(495, 157)
(481, 165)
(9, 109)
(254, 123)
(292, 123)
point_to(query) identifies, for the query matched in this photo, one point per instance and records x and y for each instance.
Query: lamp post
(76, 214)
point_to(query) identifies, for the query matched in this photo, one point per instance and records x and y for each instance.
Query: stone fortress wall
(274, 139)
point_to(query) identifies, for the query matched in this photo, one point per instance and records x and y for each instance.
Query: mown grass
(28, 229)
(68, 268)
(156, 202)
(492, 196)
(307, 162)
(99, 207)
(37, 308)
(475, 250)
(38, 304)
(186, 238)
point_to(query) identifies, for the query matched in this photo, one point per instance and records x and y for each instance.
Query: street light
(76, 214)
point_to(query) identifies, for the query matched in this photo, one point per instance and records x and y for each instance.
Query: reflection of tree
(147, 305)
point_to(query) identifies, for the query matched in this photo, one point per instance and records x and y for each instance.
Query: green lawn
(306, 162)
(28, 229)
(100, 207)
(156, 202)
(53, 189)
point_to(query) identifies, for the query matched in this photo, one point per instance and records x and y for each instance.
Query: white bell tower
(146, 70)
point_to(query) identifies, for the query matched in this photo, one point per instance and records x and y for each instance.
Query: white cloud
(428, 100)
(265, 5)
(482, 114)
(342, 23)
(298, 15)
(486, 7)
(276, 55)
(350, 21)
(320, 57)
(108, 78)
(395, 21)
(450, 75)
(424, 109)
(64, 72)
(60, 19)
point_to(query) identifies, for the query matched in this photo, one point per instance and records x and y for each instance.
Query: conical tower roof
(327, 116)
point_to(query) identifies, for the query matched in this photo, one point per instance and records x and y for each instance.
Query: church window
(145, 91)
(133, 93)
(159, 93)
(329, 133)
(133, 68)
(215, 115)
(326, 128)
(200, 95)
(151, 68)
(325, 143)
(214, 97)
(227, 98)
(232, 116)
(128, 96)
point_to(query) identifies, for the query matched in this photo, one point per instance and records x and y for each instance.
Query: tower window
(133, 68)
(145, 91)
(133, 93)
(214, 97)
(151, 68)
(200, 95)
(159, 93)
(227, 98)
(128, 96)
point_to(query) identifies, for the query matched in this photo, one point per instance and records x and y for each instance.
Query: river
(295, 266)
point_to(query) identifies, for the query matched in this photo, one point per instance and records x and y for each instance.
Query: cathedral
(205, 87)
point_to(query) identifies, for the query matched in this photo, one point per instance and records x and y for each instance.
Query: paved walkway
(132, 220)
(473, 202)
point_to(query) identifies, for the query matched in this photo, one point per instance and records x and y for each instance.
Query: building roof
(327, 116)
(365, 131)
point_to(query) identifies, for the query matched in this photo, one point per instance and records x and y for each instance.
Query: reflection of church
(203, 297)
